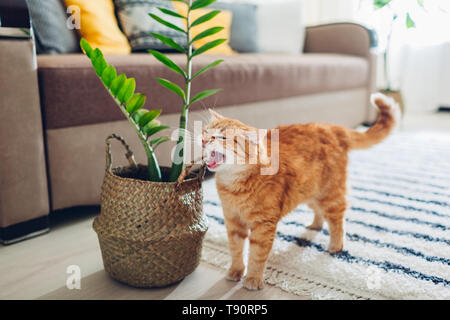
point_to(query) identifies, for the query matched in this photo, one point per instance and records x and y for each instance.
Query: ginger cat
(312, 169)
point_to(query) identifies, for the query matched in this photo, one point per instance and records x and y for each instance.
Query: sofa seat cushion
(72, 95)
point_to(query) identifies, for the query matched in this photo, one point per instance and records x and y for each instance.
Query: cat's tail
(389, 113)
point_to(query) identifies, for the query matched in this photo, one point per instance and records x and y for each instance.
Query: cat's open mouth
(215, 159)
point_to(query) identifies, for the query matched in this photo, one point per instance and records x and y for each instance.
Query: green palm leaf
(171, 13)
(168, 42)
(169, 63)
(206, 17)
(208, 46)
(203, 95)
(171, 86)
(209, 66)
(409, 21)
(378, 4)
(166, 23)
(207, 33)
(201, 4)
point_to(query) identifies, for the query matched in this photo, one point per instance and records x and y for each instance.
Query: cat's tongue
(215, 159)
(212, 165)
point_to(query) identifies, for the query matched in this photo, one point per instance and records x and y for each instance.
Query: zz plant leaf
(135, 103)
(156, 142)
(122, 89)
(127, 90)
(108, 75)
(203, 95)
(138, 114)
(155, 129)
(171, 13)
(168, 62)
(99, 62)
(86, 47)
(409, 21)
(117, 83)
(208, 46)
(168, 41)
(166, 23)
(209, 66)
(188, 77)
(207, 33)
(201, 4)
(172, 86)
(148, 117)
(206, 17)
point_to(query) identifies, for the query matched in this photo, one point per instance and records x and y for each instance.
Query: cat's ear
(215, 115)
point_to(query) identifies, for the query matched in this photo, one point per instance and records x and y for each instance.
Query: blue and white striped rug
(397, 229)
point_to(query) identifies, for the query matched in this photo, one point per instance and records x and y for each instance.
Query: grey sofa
(55, 113)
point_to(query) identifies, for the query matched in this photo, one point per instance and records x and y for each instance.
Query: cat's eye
(219, 138)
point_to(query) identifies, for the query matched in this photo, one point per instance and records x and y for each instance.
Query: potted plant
(151, 224)
(409, 23)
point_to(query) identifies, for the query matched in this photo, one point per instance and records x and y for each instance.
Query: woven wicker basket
(150, 233)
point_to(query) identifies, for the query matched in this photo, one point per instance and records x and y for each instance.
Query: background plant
(131, 104)
(188, 77)
(409, 23)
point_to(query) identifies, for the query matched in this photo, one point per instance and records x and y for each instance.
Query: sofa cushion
(98, 25)
(137, 24)
(71, 93)
(244, 25)
(53, 35)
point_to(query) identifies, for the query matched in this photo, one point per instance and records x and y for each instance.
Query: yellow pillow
(223, 19)
(99, 26)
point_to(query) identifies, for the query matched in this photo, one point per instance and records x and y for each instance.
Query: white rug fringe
(286, 281)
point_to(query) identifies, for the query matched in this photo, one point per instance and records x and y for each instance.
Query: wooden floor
(36, 268)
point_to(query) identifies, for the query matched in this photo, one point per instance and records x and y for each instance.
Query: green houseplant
(151, 224)
(122, 88)
(409, 23)
(188, 76)
(131, 104)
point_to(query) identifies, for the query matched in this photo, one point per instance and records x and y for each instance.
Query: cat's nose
(204, 142)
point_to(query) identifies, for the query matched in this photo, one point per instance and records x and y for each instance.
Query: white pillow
(280, 27)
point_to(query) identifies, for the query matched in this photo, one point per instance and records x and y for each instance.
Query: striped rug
(397, 229)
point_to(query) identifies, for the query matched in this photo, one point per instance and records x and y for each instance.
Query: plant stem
(177, 168)
(154, 170)
(386, 58)
(386, 71)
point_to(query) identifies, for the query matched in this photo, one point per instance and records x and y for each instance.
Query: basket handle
(129, 155)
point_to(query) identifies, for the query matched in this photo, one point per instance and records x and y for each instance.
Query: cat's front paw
(335, 247)
(252, 283)
(314, 226)
(234, 274)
